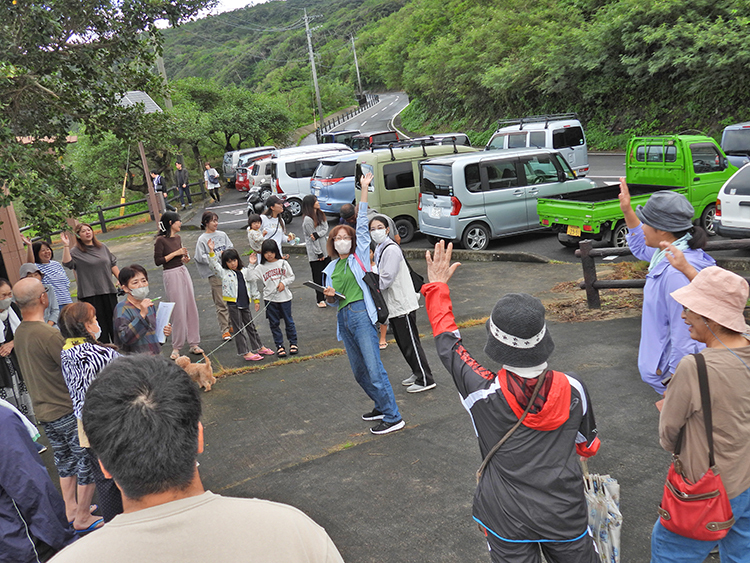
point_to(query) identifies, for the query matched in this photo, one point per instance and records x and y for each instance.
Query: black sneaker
(374, 414)
(386, 427)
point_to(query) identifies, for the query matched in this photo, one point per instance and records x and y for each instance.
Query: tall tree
(66, 63)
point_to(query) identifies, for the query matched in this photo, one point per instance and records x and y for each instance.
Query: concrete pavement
(292, 432)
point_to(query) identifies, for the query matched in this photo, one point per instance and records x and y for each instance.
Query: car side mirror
(561, 176)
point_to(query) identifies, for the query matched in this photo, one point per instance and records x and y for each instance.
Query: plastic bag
(605, 519)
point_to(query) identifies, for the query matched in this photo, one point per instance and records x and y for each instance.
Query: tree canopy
(65, 64)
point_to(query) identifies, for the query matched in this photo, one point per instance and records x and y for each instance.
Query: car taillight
(278, 187)
(419, 203)
(545, 222)
(329, 181)
(455, 205)
(587, 228)
(718, 208)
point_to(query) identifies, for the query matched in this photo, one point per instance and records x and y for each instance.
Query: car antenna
(455, 150)
(390, 148)
(424, 150)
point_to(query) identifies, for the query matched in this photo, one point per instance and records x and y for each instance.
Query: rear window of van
(567, 137)
(437, 179)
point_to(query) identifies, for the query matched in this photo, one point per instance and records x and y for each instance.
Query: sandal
(197, 350)
(174, 355)
(293, 349)
(383, 345)
(281, 352)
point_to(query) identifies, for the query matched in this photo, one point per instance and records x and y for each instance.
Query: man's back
(207, 527)
(38, 348)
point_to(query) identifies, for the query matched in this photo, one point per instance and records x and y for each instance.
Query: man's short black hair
(141, 417)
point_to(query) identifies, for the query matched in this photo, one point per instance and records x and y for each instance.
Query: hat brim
(518, 357)
(695, 300)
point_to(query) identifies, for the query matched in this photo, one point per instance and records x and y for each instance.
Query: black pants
(109, 496)
(578, 551)
(105, 310)
(406, 333)
(215, 193)
(185, 192)
(317, 267)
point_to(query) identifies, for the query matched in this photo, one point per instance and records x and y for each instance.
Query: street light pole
(314, 72)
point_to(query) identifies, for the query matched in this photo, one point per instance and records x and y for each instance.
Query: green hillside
(626, 66)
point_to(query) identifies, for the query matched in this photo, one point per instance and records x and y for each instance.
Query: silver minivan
(560, 131)
(482, 196)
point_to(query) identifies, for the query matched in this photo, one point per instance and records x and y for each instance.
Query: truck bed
(596, 195)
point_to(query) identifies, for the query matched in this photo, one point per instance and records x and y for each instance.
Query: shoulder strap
(493, 451)
(390, 243)
(700, 362)
(360, 262)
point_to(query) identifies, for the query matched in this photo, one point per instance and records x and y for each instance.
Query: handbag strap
(700, 363)
(359, 262)
(492, 452)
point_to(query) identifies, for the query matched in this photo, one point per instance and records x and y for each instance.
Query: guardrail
(338, 120)
(587, 253)
(102, 222)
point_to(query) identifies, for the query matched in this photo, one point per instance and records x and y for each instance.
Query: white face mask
(5, 303)
(342, 246)
(378, 235)
(139, 292)
(98, 332)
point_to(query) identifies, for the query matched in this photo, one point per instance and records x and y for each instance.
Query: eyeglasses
(685, 310)
(343, 238)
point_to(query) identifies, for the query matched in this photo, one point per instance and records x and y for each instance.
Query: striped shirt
(54, 274)
(81, 361)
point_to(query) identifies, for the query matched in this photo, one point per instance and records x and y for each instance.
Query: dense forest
(625, 66)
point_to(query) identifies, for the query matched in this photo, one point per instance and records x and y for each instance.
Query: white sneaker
(409, 380)
(417, 388)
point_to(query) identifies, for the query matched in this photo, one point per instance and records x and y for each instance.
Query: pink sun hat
(719, 295)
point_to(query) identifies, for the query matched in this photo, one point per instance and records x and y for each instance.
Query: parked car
(479, 197)
(735, 142)
(232, 159)
(344, 137)
(333, 182)
(395, 185)
(441, 139)
(693, 165)
(243, 180)
(733, 206)
(561, 131)
(259, 177)
(366, 141)
(290, 176)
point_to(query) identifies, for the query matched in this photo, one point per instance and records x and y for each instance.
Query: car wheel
(476, 237)
(295, 207)
(707, 219)
(265, 193)
(405, 229)
(287, 216)
(618, 238)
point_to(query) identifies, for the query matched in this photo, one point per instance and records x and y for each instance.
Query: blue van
(333, 181)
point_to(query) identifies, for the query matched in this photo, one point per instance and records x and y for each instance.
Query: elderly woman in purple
(665, 339)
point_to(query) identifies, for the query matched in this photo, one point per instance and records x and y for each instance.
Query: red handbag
(701, 510)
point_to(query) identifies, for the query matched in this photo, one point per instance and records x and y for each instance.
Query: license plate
(574, 231)
(435, 212)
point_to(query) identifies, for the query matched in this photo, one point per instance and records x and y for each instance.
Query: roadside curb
(460, 255)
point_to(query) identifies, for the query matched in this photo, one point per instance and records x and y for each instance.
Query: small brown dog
(202, 374)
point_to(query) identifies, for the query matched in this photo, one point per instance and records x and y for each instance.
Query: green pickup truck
(693, 165)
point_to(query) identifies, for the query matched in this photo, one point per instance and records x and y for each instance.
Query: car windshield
(736, 141)
(436, 179)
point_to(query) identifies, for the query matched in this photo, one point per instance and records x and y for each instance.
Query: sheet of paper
(163, 314)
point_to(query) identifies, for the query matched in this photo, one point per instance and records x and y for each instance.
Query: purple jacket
(665, 338)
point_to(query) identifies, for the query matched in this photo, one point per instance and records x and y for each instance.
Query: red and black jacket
(532, 489)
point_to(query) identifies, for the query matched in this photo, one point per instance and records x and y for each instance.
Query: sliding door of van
(504, 196)
(542, 174)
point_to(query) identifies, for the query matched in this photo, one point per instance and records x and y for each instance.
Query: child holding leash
(239, 290)
(276, 275)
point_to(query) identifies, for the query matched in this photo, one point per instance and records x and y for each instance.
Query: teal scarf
(660, 254)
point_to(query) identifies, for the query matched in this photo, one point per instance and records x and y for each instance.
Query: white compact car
(733, 206)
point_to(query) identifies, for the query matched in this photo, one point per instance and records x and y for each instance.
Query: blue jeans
(668, 547)
(361, 342)
(274, 313)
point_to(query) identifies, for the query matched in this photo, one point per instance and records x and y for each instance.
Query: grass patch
(226, 372)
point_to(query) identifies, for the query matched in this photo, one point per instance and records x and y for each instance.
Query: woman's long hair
(73, 319)
(79, 242)
(308, 210)
(165, 223)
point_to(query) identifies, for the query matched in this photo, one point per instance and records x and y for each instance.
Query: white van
(561, 131)
(291, 173)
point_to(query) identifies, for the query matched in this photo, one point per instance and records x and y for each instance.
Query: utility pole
(312, 63)
(356, 65)
(163, 72)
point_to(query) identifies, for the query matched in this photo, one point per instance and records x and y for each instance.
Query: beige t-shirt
(207, 527)
(729, 387)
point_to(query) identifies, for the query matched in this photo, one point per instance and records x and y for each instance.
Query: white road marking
(212, 208)
(234, 212)
(365, 121)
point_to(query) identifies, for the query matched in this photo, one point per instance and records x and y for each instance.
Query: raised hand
(677, 260)
(439, 267)
(211, 245)
(65, 238)
(624, 196)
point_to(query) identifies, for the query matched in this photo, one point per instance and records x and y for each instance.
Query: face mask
(98, 332)
(139, 292)
(378, 235)
(342, 246)
(5, 303)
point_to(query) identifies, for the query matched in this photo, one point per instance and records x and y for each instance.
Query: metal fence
(588, 254)
(338, 120)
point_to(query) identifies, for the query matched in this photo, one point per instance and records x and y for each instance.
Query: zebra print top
(81, 362)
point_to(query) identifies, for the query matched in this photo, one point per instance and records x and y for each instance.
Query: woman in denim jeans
(350, 258)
